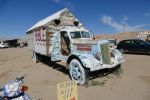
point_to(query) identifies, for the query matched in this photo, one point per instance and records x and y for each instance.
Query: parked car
(3, 45)
(134, 46)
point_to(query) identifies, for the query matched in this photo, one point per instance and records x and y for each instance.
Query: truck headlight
(98, 56)
(118, 55)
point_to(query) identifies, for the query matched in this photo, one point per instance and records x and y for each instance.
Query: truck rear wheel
(35, 57)
(78, 73)
(149, 52)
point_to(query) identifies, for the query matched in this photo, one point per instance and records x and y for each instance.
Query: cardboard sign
(67, 91)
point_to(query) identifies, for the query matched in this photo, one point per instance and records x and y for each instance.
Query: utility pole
(124, 26)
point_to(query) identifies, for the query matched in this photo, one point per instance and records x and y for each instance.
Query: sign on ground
(67, 91)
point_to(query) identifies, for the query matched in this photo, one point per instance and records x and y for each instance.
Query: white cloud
(125, 18)
(120, 26)
(146, 14)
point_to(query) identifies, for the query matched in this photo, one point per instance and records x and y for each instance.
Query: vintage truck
(64, 39)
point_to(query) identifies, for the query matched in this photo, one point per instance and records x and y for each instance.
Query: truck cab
(69, 36)
(83, 54)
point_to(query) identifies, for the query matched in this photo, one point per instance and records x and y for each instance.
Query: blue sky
(99, 16)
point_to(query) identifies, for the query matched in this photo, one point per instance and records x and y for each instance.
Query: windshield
(78, 34)
(75, 34)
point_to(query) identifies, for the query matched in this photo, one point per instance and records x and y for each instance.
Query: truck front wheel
(77, 72)
(35, 57)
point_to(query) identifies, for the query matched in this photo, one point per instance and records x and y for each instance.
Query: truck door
(65, 43)
(55, 51)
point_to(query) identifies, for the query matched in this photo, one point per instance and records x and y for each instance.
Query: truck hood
(84, 41)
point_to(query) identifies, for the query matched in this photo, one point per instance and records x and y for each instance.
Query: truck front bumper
(115, 63)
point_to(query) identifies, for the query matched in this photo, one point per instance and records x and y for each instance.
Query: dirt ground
(131, 82)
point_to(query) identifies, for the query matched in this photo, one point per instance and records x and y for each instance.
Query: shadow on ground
(146, 54)
(54, 65)
(103, 72)
(61, 68)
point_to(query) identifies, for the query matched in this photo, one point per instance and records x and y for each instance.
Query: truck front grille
(105, 51)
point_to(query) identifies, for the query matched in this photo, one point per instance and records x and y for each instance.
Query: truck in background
(3, 45)
(63, 38)
(145, 35)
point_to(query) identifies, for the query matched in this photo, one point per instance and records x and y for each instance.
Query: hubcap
(75, 71)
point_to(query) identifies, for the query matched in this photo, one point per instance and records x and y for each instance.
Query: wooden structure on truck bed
(39, 36)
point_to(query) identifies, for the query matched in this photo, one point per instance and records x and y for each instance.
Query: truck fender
(88, 61)
(72, 56)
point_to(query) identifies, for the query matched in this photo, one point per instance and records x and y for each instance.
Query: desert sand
(132, 82)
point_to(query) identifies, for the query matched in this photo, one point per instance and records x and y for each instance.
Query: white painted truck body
(63, 38)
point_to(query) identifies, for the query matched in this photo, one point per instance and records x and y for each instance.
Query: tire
(26, 97)
(122, 51)
(78, 73)
(35, 57)
(149, 52)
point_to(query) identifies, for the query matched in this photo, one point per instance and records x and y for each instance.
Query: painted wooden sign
(84, 47)
(67, 91)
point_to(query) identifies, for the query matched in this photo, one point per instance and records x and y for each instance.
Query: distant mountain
(4, 38)
(119, 36)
